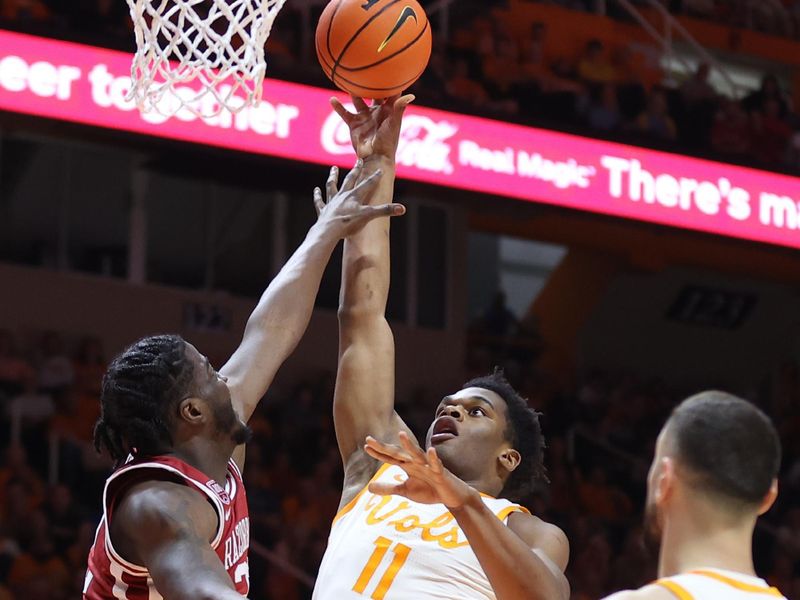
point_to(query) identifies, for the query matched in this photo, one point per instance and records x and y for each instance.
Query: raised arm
(284, 310)
(168, 528)
(364, 396)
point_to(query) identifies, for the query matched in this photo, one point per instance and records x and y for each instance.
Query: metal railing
(671, 27)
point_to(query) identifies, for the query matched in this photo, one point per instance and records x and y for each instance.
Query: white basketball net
(204, 56)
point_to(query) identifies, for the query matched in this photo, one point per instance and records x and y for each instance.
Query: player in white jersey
(426, 524)
(714, 473)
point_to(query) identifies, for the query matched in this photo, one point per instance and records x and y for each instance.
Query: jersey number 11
(382, 545)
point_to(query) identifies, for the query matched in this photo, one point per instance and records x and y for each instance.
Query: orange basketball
(373, 48)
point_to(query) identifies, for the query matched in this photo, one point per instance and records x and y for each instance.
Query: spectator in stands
(603, 112)
(696, 91)
(464, 88)
(24, 11)
(21, 488)
(498, 320)
(535, 53)
(634, 77)
(633, 567)
(600, 498)
(31, 406)
(89, 365)
(65, 517)
(55, 368)
(14, 370)
(698, 8)
(756, 102)
(39, 571)
(433, 82)
(655, 121)
(591, 568)
(594, 68)
(502, 75)
(731, 131)
(771, 134)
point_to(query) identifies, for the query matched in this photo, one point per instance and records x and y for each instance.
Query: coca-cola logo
(423, 142)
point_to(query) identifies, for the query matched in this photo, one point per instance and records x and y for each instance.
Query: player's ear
(510, 459)
(769, 499)
(665, 480)
(192, 410)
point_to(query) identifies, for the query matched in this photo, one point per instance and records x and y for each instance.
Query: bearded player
(425, 524)
(714, 473)
(175, 521)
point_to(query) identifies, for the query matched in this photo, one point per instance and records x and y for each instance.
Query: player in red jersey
(175, 522)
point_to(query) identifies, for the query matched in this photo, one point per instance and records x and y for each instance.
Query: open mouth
(445, 428)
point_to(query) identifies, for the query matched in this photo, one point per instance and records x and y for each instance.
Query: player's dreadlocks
(524, 432)
(141, 389)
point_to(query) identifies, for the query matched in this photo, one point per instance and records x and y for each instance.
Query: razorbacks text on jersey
(717, 584)
(390, 548)
(110, 577)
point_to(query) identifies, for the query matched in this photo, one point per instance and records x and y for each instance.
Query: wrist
(380, 161)
(471, 500)
(322, 234)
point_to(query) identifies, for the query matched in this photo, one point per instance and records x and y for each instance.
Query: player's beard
(228, 424)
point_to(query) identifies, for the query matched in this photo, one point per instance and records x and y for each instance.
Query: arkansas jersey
(391, 548)
(110, 576)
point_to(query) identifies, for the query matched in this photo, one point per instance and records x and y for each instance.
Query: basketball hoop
(201, 56)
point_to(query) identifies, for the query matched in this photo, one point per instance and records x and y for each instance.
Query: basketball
(373, 48)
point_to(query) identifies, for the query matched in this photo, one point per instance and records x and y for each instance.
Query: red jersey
(111, 577)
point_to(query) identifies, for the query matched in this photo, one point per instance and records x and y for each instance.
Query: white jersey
(716, 584)
(390, 548)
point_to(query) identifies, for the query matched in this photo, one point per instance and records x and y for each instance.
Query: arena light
(89, 85)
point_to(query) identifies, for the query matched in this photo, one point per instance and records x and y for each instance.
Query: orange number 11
(382, 545)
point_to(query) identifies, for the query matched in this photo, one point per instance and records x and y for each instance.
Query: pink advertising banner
(89, 85)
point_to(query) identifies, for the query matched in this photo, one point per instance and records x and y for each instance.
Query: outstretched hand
(374, 130)
(429, 482)
(347, 209)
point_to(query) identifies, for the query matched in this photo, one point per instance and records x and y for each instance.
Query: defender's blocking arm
(284, 310)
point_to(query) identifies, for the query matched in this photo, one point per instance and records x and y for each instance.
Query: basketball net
(201, 56)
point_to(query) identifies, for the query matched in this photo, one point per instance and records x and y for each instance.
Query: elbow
(354, 315)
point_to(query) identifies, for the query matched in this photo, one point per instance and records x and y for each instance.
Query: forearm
(364, 397)
(286, 306)
(513, 569)
(278, 322)
(366, 266)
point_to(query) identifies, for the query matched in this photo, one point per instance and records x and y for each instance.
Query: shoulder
(649, 592)
(542, 535)
(152, 512)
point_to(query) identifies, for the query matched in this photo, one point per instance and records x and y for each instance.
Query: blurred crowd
(608, 92)
(600, 439)
(774, 17)
(483, 68)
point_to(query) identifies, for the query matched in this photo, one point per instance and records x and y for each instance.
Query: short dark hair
(730, 447)
(141, 389)
(523, 431)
